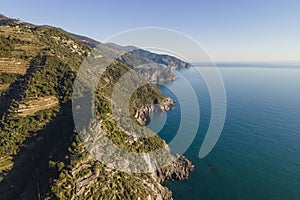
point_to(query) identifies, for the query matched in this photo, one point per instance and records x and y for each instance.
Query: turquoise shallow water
(258, 153)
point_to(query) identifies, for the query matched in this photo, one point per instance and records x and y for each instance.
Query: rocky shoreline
(142, 114)
(177, 170)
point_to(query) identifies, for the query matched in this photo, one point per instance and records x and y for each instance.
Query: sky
(229, 30)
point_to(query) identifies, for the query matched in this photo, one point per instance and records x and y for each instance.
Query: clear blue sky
(241, 30)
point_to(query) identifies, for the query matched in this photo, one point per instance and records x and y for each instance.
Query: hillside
(154, 67)
(41, 155)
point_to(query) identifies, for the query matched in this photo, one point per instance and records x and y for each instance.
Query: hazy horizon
(247, 31)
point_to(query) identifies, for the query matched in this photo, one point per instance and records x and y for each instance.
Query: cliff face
(153, 67)
(88, 178)
(142, 114)
(41, 155)
(157, 73)
(139, 57)
(178, 170)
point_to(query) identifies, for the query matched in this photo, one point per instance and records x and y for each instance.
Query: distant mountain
(135, 56)
(2, 17)
(154, 67)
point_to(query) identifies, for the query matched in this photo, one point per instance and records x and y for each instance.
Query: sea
(257, 156)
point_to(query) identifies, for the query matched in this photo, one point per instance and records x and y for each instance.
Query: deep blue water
(258, 153)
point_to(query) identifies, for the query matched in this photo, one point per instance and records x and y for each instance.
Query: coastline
(180, 168)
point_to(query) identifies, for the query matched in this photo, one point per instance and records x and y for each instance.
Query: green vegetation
(6, 78)
(41, 149)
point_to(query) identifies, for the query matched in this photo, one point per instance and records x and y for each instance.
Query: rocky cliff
(41, 154)
(142, 114)
(178, 170)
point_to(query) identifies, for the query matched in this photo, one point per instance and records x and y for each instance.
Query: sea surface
(258, 154)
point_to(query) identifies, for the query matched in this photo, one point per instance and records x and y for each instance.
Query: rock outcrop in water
(142, 114)
(178, 170)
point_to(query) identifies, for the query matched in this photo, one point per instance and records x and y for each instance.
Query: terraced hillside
(41, 155)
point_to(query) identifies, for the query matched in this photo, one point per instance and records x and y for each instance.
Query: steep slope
(41, 155)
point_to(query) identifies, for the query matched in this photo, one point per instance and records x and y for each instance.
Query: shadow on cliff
(18, 87)
(30, 177)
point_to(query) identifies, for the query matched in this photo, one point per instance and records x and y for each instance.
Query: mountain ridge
(41, 154)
